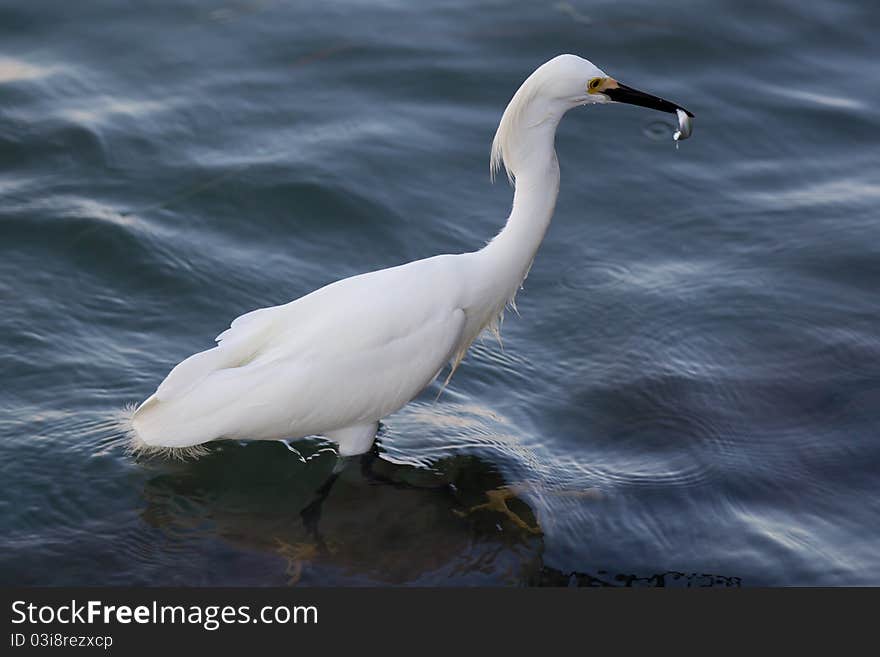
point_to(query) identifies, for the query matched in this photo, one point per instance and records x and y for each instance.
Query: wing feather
(236, 346)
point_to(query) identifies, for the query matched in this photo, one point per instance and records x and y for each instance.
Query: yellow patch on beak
(599, 85)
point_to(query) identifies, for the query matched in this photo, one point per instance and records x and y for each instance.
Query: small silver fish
(684, 126)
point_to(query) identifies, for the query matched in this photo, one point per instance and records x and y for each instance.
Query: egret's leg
(369, 474)
(354, 440)
(339, 466)
(311, 514)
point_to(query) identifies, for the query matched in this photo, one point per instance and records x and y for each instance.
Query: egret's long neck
(511, 253)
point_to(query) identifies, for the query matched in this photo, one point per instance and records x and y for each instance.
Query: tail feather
(137, 446)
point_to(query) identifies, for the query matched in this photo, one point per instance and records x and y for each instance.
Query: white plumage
(336, 361)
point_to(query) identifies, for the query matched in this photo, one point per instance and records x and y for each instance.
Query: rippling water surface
(690, 396)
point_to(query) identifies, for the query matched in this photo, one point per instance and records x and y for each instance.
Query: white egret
(336, 361)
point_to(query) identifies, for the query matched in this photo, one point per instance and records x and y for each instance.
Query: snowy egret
(336, 361)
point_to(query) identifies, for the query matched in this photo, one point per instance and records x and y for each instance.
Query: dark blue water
(690, 396)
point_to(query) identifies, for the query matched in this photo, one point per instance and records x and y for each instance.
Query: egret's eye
(594, 85)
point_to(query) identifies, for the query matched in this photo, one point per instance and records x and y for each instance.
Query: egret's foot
(297, 556)
(497, 502)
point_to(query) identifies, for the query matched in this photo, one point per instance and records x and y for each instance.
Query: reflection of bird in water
(338, 360)
(379, 522)
(375, 522)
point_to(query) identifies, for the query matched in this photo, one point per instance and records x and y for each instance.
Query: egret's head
(555, 87)
(562, 83)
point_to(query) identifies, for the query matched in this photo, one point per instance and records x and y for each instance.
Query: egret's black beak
(623, 94)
